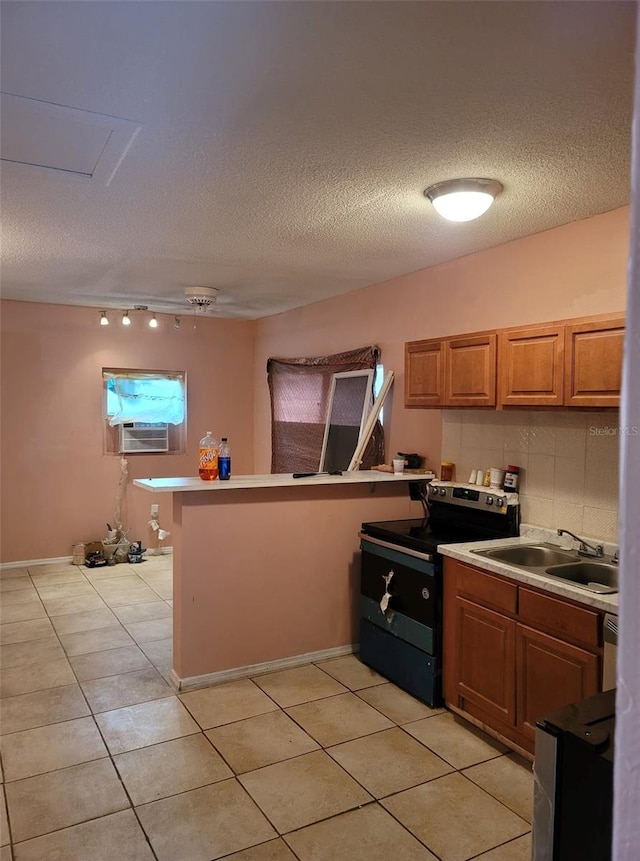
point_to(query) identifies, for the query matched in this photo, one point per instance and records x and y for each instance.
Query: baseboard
(61, 560)
(26, 563)
(192, 682)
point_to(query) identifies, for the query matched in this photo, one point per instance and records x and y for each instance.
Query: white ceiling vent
(201, 297)
(55, 137)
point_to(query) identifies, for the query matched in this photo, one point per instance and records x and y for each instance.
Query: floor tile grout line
(109, 755)
(485, 852)
(372, 799)
(441, 756)
(76, 824)
(322, 747)
(415, 836)
(491, 795)
(237, 776)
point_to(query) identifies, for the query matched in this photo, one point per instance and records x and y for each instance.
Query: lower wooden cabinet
(549, 674)
(501, 669)
(486, 647)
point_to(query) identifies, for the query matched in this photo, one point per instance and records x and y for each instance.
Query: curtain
(144, 397)
(299, 389)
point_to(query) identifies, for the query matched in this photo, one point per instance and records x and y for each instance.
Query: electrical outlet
(155, 510)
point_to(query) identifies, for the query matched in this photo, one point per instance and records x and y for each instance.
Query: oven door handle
(427, 557)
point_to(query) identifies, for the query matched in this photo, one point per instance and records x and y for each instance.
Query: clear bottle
(208, 458)
(224, 460)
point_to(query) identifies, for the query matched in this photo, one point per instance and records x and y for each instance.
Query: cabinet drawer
(574, 624)
(487, 590)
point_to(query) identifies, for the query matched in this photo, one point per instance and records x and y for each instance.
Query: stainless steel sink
(530, 555)
(549, 560)
(600, 577)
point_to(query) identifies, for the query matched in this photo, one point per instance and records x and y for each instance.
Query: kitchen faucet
(585, 549)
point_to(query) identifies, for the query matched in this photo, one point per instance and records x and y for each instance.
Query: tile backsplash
(568, 463)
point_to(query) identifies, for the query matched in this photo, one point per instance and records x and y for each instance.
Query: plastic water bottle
(208, 458)
(224, 460)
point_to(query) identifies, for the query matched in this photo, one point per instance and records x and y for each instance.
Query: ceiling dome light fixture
(104, 320)
(126, 319)
(463, 199)
(153, 322)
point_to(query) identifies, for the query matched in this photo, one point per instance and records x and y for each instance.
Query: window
(378, 380)
(300, 390)
(144, 411)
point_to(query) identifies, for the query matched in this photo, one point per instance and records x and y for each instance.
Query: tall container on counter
(224, 460)
(208, 458)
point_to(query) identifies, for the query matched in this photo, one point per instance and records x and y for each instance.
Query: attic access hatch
(55, 137)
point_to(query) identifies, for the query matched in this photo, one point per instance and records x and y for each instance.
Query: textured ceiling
(284, 147)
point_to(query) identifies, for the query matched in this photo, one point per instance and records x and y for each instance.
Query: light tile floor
(325, 762)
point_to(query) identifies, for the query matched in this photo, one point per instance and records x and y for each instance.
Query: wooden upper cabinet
(572, 363)
(470, 371)
(424, 374)
(593, 367)
(451, 372)
(531, 363)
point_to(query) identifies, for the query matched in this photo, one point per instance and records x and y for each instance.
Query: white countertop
(462, 552)
(249, 482)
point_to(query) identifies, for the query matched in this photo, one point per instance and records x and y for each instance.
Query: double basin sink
(547, 559)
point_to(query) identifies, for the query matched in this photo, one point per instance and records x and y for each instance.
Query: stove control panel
(471, 496)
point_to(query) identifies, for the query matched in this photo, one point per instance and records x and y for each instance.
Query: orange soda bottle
(208, 458)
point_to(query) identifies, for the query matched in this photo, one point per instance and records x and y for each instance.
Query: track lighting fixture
(127, 319)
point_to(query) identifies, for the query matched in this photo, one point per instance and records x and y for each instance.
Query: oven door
(401, 638)
(407, 575)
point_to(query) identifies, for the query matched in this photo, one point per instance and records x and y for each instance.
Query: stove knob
(432, 490)
(489, 500)
(500, 501)
(443, 491)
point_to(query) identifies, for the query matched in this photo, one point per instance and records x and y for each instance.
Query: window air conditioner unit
(141, 437)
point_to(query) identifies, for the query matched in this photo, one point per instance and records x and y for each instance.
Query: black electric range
(454, 514)
(400, 603)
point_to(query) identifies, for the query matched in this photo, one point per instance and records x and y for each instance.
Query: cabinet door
(470, 371)
(550, 674)
(593, 373)
(531, 366)
(424, 374)
(485, 660)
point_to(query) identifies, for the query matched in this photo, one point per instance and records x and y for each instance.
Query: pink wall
(571, 271)
(53, 355)
(58, 487)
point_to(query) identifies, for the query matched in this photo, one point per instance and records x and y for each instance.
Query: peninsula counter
(266, 567)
